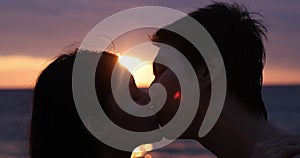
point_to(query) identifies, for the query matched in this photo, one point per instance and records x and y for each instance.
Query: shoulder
(285, 146)
(296, 156)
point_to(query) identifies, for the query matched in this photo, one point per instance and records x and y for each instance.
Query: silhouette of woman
(56, 128)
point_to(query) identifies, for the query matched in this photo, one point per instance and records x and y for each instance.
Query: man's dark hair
(239, 38)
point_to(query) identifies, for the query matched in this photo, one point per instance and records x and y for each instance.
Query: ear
(213, 72)
(203, 73)
(93, 125)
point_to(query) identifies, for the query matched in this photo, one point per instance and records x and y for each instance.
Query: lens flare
(176, 95)
(141, 151)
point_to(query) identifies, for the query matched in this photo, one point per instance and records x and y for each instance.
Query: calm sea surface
(283, 104)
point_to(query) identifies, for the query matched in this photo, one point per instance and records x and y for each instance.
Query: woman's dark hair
(239, 38)
(56, 128)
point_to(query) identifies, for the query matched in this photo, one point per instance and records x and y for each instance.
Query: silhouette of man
(242, 130)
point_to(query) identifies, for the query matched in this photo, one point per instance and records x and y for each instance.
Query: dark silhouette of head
(239, 38)
(56, 128)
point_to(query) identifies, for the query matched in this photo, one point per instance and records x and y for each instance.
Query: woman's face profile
(117, 80)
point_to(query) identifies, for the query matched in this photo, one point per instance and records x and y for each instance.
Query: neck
(238, 131)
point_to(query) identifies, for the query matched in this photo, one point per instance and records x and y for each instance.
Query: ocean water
(283, 104)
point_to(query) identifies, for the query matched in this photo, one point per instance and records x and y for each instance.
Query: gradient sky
(35, 31)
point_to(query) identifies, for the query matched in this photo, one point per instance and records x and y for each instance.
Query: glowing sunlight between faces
(140, 69)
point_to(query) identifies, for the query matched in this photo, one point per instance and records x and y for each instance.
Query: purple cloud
(44, 28)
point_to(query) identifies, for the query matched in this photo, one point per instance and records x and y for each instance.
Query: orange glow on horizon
(22, 71)
(281, 76)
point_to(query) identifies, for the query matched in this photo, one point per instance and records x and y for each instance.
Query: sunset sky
(33, 32)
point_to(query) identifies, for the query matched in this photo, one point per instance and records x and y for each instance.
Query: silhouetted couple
(242, 130)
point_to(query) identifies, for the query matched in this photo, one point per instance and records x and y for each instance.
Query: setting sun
(131, 63)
